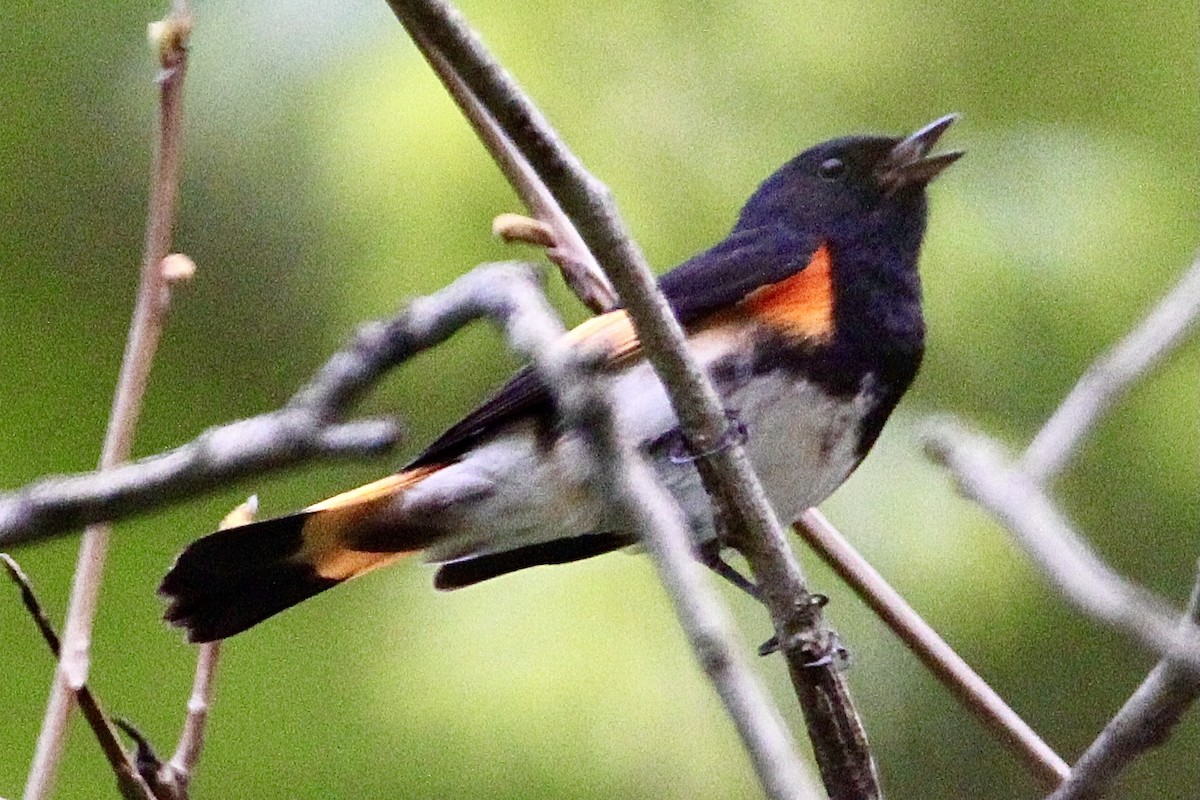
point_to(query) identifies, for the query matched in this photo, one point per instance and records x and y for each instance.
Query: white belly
(801, 441)
(513, 491)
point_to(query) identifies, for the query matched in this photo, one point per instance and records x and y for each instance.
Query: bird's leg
(709, 555)
(681, 451)
(835, 653)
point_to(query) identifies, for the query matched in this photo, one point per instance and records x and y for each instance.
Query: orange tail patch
(333, 525)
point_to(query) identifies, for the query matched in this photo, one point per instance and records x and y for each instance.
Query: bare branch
(507, 293)
(938, 657)
(177, 773)
(129, 781)
(1014, 494)
(191, 741)
(217, 457)
(1146, 720)
(646, 507)
(306, 428)
(641, 505)
(1163, 329)
(149, 316)
(566, 248)
(989, 478)
(838, 738)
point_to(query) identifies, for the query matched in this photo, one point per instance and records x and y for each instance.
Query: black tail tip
(221, 612)
(235, 578)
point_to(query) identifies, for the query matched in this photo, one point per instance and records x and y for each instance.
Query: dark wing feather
(523, 395)
(746, 260)
(711, 281)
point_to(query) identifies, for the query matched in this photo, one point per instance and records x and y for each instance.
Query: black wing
(713, 280)
(523, 395)
(744, 261)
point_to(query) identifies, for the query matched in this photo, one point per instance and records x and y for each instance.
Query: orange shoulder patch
(801, 305)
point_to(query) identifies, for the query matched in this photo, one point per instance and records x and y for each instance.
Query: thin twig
(574, 259)
(1146, 720)
(939, 658)
(191, 742)
(129, 781)
(177, 773)
(838, 738)
(989, 478)
(1163, 329)
(149, 316)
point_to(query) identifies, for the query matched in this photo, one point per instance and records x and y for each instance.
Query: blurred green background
(327, 179)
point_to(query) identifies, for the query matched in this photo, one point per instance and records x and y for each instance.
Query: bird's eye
(831, 169)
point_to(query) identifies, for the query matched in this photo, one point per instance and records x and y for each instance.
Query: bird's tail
(235, 578)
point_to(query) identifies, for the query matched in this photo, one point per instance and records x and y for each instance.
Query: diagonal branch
(836, 731)
(1019, 502)
(939, 658)
(1014, 494)
(639, 504)
(1145, 721)
(1164, 328)
(307, 427)
(567, 249)
(129, 781)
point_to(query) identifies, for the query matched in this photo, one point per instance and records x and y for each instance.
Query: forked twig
(149, 316)
(129, 781)
(986, 476)
(1015, 495)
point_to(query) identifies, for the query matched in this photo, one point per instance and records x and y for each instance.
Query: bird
(807, 319)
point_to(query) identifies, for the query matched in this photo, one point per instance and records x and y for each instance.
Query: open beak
(909, 162)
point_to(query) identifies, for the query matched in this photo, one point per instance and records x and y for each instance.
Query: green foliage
(328, 178)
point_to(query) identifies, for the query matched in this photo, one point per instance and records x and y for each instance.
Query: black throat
(879, 331)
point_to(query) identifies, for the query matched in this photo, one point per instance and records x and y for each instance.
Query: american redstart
(807, 317)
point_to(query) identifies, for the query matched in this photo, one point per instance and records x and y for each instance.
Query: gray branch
(1106, 380)
(986, 476)
(509, 295)
(640, 504)
(307, 428)
(1014, 494)
(838, 737)
(1145, 721)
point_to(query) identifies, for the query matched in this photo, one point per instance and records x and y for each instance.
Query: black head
(854, 187)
